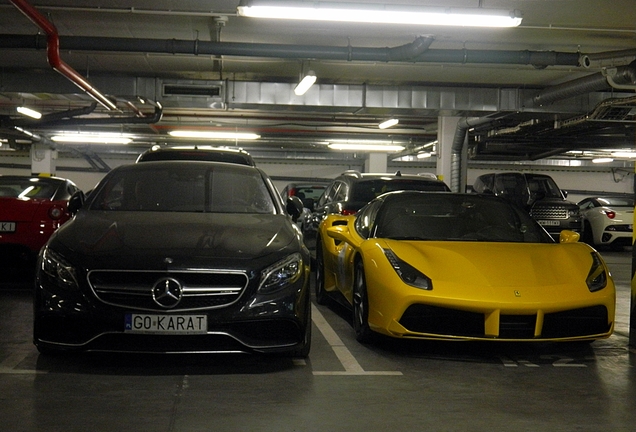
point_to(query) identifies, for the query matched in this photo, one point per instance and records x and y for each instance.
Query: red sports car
(31, 209)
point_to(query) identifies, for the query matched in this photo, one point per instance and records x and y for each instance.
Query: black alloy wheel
(587, 236)
(361, 306)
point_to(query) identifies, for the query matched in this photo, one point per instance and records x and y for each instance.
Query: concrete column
(43, 159)
(376, 163)
(446, 127)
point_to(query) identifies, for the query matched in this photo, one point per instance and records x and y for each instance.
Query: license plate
(166, 324)
(7, 226)
(549, 223)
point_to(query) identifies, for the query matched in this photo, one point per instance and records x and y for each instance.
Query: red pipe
(53, 53)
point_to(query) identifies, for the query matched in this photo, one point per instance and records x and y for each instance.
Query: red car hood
(19, 210)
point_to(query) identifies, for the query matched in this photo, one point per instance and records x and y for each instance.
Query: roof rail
(353, 173)
(428, 175)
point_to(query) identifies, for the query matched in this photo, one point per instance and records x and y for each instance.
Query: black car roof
(227, 155)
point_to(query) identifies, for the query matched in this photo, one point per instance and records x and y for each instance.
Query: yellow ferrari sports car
(446, 266)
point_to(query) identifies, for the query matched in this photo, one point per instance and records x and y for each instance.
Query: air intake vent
(192, 93)
(188, 90)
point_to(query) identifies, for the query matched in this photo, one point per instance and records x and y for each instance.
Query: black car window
(186, 189)
(447, 217)
(545, 187)
(366, 190)
(341, 193)
(28, 188)
(365, 218)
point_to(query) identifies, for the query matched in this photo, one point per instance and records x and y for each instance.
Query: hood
(20, 210)
(552, 202)
(187, 237)
(492, 271)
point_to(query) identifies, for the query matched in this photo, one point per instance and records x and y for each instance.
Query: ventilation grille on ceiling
(192, 93)
(187, 90)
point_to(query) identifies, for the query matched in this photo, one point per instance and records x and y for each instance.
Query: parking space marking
(348, 361)
(9, 364)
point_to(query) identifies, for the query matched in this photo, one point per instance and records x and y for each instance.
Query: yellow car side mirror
(338, 232)
(568, 236)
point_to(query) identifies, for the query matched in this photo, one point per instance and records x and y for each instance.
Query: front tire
(588, 235)
(321, 294)
(361, 327)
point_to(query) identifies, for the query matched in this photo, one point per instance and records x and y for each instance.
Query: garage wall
(575, 180)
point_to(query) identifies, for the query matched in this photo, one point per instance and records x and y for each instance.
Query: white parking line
(8, 365)
(348, 361)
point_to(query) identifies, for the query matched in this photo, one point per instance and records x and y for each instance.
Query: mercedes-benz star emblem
(167, 292)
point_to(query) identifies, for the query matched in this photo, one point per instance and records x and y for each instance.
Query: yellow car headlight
(409, 274)
(597, 277)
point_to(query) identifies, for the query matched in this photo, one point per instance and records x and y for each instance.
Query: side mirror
(76, 202)
(294, 207)
(567, 236)
(338, 232)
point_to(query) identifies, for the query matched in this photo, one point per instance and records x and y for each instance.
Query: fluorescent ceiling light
(305, 83)
(624, 154)
(213, 135)
(92, 138)
(366, 147)
(29, 112)
(379, 13)
(602, 160)
(424, 155)
(388, 123)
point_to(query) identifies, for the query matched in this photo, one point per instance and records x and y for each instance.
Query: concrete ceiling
(544, 84)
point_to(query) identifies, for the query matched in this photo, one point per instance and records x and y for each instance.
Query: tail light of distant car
(610, 214)
(56, 213)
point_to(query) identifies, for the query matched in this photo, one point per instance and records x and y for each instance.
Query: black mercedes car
(176, 256)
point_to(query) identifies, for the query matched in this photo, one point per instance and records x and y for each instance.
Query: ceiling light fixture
(29, 112)
(388, 123)
(379, 13)
(213, 135)
(602, 160)
(304, 84)
(386, 148)
(92, 138)
(624, 154)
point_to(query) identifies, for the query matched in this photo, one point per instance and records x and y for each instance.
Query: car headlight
(597, 277)
(54, 266)
(281, 274)
(409, 274)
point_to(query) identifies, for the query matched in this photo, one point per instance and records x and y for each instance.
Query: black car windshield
(456, 217)
(183, 188)
(367, 190)
(28, 187)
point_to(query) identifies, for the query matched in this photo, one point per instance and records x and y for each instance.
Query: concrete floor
(342, 386)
